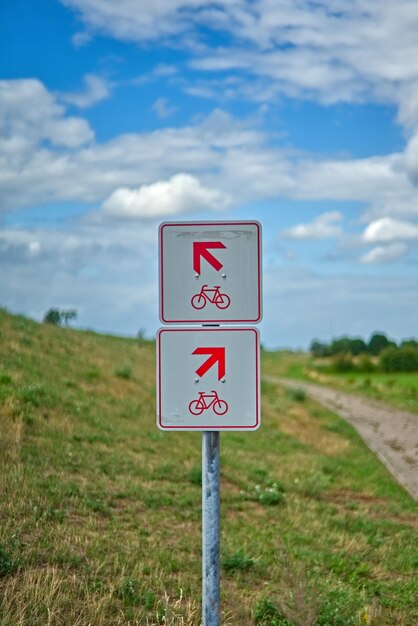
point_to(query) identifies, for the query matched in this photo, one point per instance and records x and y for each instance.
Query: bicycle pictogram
(206, 401)
(213, 295)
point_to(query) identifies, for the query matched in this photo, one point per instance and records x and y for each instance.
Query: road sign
(208, 379)
(210, 272)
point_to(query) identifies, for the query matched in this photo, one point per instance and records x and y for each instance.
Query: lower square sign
(208, 379)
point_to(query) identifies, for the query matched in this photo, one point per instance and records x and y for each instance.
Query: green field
(100, 511)
(399, 389)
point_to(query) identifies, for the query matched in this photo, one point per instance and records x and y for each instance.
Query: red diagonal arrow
(217, 355)
(201, 249)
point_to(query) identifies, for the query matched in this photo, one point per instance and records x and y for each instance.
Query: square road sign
(208, 379)
(210, 272)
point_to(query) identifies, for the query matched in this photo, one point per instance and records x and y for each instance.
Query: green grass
(100, 511)
(399, 389)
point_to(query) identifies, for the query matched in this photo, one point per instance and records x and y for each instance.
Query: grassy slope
(399, 389)
(100, 512)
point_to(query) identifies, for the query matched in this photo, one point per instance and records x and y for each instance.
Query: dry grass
(100, 511)
(52, 596)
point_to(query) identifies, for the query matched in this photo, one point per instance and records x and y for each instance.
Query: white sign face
(210, 272)
(208, 379)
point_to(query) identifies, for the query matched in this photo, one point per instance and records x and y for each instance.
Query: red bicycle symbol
(196, 407)
(213, 295)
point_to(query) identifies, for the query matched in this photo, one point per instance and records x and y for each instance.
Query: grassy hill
(100, 511)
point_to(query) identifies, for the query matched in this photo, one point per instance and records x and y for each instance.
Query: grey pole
(210, 529)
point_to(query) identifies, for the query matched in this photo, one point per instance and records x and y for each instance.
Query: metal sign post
(208, 379)
(210, 528)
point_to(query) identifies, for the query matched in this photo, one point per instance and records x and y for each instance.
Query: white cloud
(181, 194)
(322, 227)
(81, 39)
(163, 108)
(328, 50)
(96, 89)
(384, 254)
(402, 204)
(387, 229)
(29, 115)
(108, 275)
(137, 21)
(42, 149)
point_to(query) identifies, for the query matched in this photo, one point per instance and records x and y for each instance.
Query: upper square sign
(210, 272)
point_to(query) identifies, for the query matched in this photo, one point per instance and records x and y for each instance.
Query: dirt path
(391, 433)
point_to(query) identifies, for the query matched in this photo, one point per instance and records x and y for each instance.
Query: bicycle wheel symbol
(207, 401)
(220, 407)
(198, 301)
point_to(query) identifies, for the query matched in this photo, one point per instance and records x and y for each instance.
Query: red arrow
(201, 249)
(217, 355)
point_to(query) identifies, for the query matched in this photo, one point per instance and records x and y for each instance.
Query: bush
(270, 495)
(343, 363)
(237, 561)
(268, 614)
(125, 371)
(297, 394)
(365, 364)
(7, 565)
(403, 359)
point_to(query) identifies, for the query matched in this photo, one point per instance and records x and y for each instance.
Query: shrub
(404, 359)
(237, 561)
(343, 363)
(195, 475)
(124, 372)
(297, 394)
(268, 614)
(7, 565)
(365, 364)
(270, 495)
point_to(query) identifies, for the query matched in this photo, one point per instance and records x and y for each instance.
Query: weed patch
(237, 561)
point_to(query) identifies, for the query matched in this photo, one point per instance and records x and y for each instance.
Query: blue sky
(115, 116)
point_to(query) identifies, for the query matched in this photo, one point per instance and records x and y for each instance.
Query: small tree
(377, 343)
(358, 346)
(319, 349)
(57, 317)
(52, 316)
(68, 316)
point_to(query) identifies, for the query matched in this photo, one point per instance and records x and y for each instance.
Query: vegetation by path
(399, 389)
(390, 433)
(100, 511)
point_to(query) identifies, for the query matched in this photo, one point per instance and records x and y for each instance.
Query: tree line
(379, 352)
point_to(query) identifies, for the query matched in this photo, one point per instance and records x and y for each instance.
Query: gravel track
(391, 433)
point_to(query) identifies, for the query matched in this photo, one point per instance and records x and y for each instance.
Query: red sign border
(209, 320)
(211, 426)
